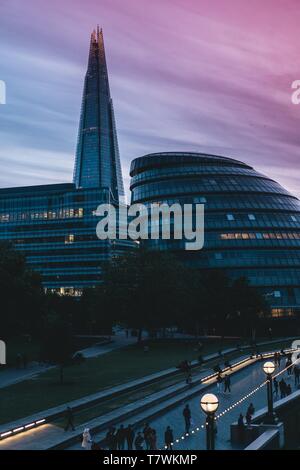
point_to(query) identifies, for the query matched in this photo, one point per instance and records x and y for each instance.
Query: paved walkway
(11, 376)
(50, 436)
(242, 383)
(118, 341)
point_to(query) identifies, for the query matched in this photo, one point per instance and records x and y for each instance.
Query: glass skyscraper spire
(55, 225)
(97, 159)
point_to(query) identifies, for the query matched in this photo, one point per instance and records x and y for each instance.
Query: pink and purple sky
(197, 75)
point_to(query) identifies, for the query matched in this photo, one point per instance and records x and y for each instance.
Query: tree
(145, 290)
(57, 345)
(248, 304)
(21, 294)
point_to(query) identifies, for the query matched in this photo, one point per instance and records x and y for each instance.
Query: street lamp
(268, 369)
(209, 404)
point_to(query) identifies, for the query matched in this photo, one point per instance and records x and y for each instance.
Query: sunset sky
(198, 75)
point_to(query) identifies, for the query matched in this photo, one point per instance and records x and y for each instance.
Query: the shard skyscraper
(54, 225)
(97, 162)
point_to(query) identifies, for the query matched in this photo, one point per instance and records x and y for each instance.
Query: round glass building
(252, 224)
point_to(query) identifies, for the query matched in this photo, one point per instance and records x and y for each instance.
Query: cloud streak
(185, 75)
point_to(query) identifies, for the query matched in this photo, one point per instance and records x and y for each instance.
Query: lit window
(251, 217)
(230, 217)
(293, 218)
(277, 293)
(69, 239)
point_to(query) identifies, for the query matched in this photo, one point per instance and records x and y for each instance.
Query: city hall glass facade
(252, 224)
(55, 225)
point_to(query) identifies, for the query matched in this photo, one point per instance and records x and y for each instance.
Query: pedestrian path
(242, 383)
(150, 406)
(11, 376)
(51, 439)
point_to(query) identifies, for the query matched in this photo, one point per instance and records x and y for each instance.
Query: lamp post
(209, 404)
(268, 369)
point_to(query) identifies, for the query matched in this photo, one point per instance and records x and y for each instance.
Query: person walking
(241, 428)
(153, 440)
(278, 359)
(275, 383)
(187, 418)
(169, 438)
(227, 384)
(251, 409)
(139, 440)
(110, 439)
(282, 388)
(296, 375)
(130, 437)
(147, 431)
(219, 381)
(120, 437)
(86, 439)
(69, 419)
(248, 418)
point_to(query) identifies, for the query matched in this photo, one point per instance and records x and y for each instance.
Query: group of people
(283, 387)
(249, 414)
(127, 438)
(226, 381)
(116, 439)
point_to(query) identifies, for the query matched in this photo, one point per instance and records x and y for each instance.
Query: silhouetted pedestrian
(297, 375)
(130, 437)
(153, 440)
(187, 418)
(227, 384)
(241, 428)
(110, 439)
(282, 388)
(248, 418)
(121, 437)
(275, 383)
(139, 440)
(69, 419)
(219, 381)
(169, 438)
(146, 432)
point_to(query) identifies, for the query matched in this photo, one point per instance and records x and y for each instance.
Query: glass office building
(252, 224)
(55, 225)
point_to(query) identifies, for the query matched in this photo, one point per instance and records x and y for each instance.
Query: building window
(277, 293)
(293, 218)
(69, 239)
(251, 217)
(218, 256)
(230, 217)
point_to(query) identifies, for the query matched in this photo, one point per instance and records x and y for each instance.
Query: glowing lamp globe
(268, 367)
(209, 403)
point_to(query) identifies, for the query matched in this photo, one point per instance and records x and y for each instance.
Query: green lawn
(22, 345)
(117, 367)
